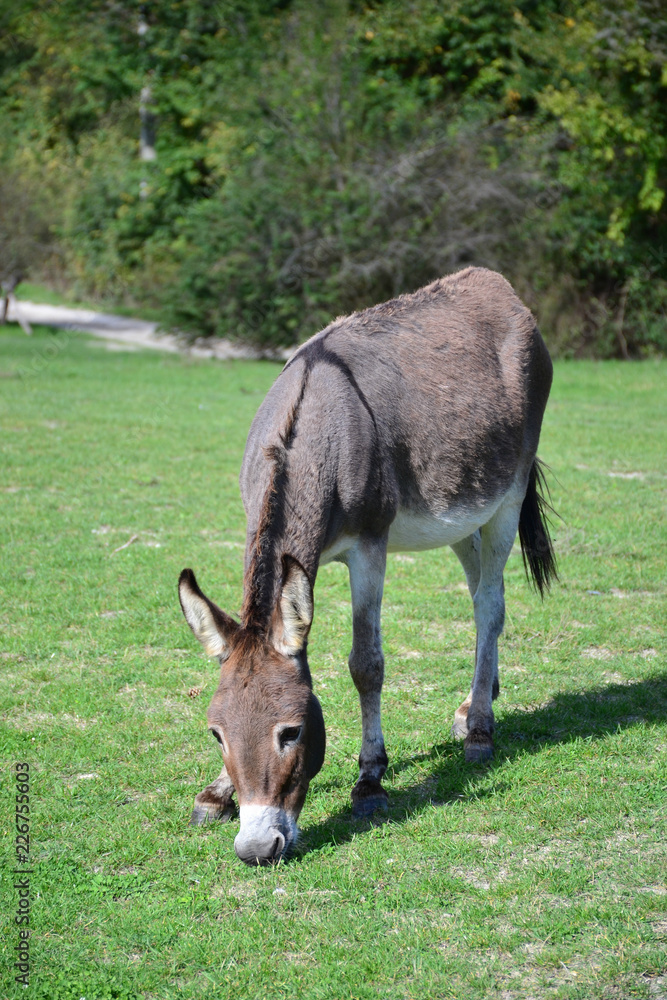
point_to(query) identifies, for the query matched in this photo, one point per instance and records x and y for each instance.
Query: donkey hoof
(361, 808)
(477, 750)
(210, 814)
(368, 797)
(459, 729)
(199, 816)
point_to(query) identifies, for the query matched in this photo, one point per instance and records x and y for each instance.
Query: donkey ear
(292, 625)
(213, 627)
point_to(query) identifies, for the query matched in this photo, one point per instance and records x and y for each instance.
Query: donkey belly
(411, 531)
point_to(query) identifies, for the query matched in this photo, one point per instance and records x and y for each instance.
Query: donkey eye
(289, 736)
(216, 733)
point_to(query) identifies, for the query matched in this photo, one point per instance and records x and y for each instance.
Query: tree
(25, 237)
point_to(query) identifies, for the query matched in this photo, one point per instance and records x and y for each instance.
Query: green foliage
(315, 158)
(612, 107)
(25, 232)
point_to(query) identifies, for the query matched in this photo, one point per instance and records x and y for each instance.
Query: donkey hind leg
(497, 538)
(468, 552)
(215, 802)
(366, 563)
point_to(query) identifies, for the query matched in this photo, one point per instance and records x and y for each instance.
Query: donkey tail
(539, 558)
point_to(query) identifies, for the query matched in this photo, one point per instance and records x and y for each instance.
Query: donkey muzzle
(266, 834)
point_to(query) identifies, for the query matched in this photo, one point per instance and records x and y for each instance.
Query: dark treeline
(252, 168)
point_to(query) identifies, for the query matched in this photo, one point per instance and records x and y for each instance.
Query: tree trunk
(148, 126)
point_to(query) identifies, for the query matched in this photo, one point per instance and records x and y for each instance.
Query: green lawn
(543, 874)
(47, 296)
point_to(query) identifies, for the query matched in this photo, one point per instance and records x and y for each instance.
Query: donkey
(410, 425)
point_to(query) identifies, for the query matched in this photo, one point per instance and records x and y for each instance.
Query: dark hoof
(368, 797)
(477, 751)
(367, 807)
(211, 814)
(199, 816)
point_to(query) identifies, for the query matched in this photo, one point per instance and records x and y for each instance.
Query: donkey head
(264, 714)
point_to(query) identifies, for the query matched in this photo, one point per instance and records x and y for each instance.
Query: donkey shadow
(594, 714)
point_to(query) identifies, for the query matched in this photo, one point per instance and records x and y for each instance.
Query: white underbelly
(412, 532)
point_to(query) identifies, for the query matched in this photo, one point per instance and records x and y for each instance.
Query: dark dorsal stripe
(315, 352)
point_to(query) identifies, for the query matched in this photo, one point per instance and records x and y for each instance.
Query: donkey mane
(260, 583)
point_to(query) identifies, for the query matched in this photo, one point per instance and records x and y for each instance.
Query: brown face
(271, 732)
(264, 714)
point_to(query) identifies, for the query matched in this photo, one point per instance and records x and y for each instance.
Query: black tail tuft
(539, 558)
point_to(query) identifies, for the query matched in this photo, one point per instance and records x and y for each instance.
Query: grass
(33, 292)
(539, 875)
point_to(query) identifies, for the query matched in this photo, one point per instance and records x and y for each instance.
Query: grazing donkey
(410, 425)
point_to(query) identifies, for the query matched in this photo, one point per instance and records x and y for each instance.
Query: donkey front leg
(497, 538)
(215, 802)
(366, 563)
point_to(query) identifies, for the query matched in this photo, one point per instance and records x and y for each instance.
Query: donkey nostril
(260, 845)
(278, 845)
